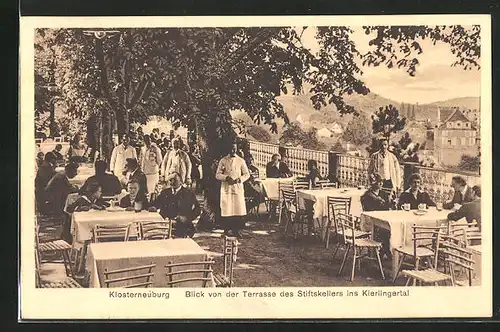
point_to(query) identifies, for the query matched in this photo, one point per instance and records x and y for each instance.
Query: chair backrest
(456, 254)
(468, 231)
(347, 224)
(203, 268)
(425, 236)
(107, 233)
(156, 230)
(142, 277)
(255, 174)
(337, 205)
(230, 256)
(289, 198)
(328, 185)
(301, 185)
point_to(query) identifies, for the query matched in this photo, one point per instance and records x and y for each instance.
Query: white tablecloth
(271, 186)
(320, 199)
(84, 172)
(399, 223)
(83, 223)
(119, 255)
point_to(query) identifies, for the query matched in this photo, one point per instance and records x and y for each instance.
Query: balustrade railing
(352, 171)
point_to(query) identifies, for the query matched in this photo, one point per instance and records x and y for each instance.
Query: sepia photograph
(301, 160)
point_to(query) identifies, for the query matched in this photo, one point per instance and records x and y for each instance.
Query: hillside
(464, 102)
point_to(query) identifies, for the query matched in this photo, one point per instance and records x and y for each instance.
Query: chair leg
(377, 250)
(400, 264)
(327, 240)
(344, 259)
(336, 249)
(408, 281)
(67, 263)
(353, 262)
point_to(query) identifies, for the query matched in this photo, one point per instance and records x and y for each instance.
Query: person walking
(119, 157)
(177, 161)
(150, 163)
(232, 171)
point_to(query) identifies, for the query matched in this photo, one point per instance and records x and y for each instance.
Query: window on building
(449, 141)
(458, 123)
(467, 124)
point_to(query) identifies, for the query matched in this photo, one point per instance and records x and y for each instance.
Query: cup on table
(137, 206)
(406, 206)
(422, 206)
(439, 206)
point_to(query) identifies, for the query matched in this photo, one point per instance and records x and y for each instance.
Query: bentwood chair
(55, 247)
(203, 271)
(457, 259)
(327, 185)
(67, 282)
(469, 231)
(422, 249)
(111, 233)
(155, 230)
(230, 255)
(348, 224)
(131, 277)
(295, 218)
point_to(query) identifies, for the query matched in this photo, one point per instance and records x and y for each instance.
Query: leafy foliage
(358, 130)
(296, 136)
(258, 133)
(337, 147)
(387, 121)
(469, 163)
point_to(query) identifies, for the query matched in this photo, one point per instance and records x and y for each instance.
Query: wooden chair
(300, 185)
(423, 247)
(203, 267)
(55, 247)
(294, 216)
(469, 231)
(338, 205)
(230, 255)
(144, 272)
(109, 233)
(280, 204)
(155, 230)
(348, 225)
(457, 258)
(67, 282)
(429, 275)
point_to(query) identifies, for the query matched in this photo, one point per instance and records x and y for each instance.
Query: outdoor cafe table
(82, 223)
(271, 186)
(399, 223)
(120, 255)
(84, 172)
(319, 199)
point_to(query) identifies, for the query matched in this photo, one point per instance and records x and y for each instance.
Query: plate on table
(115, 209)
(420, 212)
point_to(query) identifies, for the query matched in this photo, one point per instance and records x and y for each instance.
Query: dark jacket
(45, 173)
(282, 171)
(408, 197)
(57, 191)
(370, 201)
(109, 183)
(470, 211)
(141, 178)
(82, 201)
(183, 203)
(126, 202)
(458, 199)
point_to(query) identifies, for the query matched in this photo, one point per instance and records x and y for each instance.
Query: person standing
(150, 163)
(120, 155)
(177, 161)
(232, 171)
(386, 164)
(77, 150)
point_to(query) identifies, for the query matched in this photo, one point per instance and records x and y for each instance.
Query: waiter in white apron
(232, 171)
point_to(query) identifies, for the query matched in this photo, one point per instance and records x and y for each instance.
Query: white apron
(232, 196)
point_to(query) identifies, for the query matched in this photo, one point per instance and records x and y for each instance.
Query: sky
(435, 79)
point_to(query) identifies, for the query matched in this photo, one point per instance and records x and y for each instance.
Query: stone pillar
(333, 158)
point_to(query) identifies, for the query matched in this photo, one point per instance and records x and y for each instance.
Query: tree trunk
(122, 122)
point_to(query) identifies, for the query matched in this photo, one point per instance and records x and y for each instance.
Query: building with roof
(454, 135)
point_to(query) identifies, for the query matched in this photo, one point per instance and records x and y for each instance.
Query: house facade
(454, 135)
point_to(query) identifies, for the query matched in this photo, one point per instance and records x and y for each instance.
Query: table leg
(83, 254)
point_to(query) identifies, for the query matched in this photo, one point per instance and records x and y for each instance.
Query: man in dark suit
(463, 192)
(414, 196)
(134, 195)
(277, 169)
(45, 172)
(57, 153)
(59, 187)
(132, 171)
(109, 183)
(180, 204)
(471, 210)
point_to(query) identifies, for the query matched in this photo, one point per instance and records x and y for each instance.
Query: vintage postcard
(256, 167)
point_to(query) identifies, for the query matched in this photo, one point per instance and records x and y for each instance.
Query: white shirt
(387, 171)
(119, 157)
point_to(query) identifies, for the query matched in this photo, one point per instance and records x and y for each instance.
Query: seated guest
(132, 171)
(314, 174)
(414, 196)
(58, 188)
(277, 169)
(470, 210)
(89, 199)
(45, 172)
(372, 199)
(180, 204)
(134, 195)
(110, 185)
(462, 194)
(39, 159)
(57, 153)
